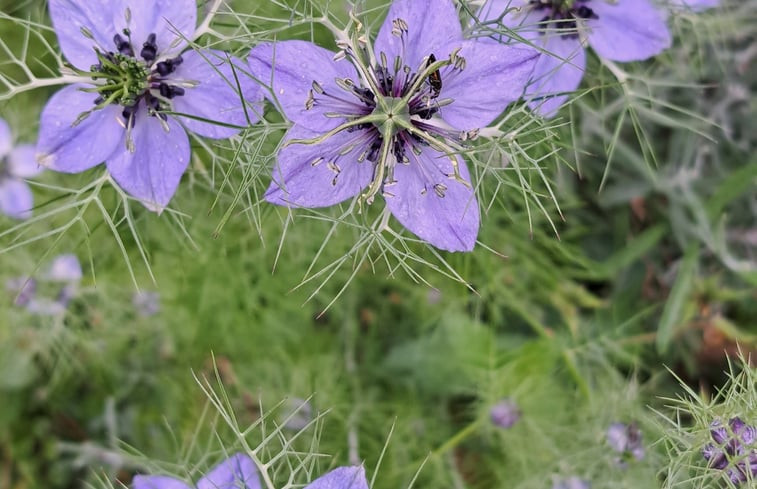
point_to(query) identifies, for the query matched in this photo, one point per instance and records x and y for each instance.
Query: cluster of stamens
(563, 14)
(389, 110)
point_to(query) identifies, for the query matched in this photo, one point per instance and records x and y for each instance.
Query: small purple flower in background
(133, 68)
(505, 413)
(694, 5)
(572, 482)
(621, 30)
(146, 303)
(297, 414)
(734, 450)
(64, 271)
(341, 478)
(391, 120)
(626, 440)
(236, 472)
(16, 164)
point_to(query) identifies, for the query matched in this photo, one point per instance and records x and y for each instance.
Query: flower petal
(450, 222)
(157, 482)
(64, 268)
(22, 162)
(289, 68)
(217, 97)
(153, 171)
(628, 30)
(431, 25)
(520, 18)
(341, 478)
(102, 18)
(236, 472)
(494, 76)
(16, 199)
(6, 138)
(558, 70)
(71, 149)
(694, 5)
(297, 182)
(172, 21)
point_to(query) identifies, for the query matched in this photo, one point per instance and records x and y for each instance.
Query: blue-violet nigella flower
(734, 450)
(390, 118)
(619, 30)
(341, 478)
(505, 413)
(132, 66)
(236, 472)
(16, 164)
(626, 440)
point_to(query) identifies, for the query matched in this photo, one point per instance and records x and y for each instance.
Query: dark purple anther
(149, 49)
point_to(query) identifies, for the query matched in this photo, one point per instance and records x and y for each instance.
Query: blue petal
(6, 139)
(236, 472)
(218, 96)
(22, 162)
(64, 268)
(16, 199)
(289, 68)
(628, 30)
(153, 171)
(172, 22)
(298, 182)
(72, 149)
(558, 71)
(432, 24)
(520, 18)
(450, 222)
(341, 478)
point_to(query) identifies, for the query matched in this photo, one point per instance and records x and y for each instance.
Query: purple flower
(505, 413)
(626, 440)
(341, 478)
(16, 164)
(64, 272)
(734, 450)
(621, 30)
(236, 472)
(297, 414)
(146, 303)
(129, 55)
(571, 483)
(391, 118)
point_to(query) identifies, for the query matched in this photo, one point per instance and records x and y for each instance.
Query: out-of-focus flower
(391, 122)
(134, 69)
(16, 164)
(297, 414)
(64, 271)
(621, 30)
(626, 440)
(341, 478)
(505, 413)
(734, 450)
(571, 483)
(236, 472)
(694, 5)
(146, 303)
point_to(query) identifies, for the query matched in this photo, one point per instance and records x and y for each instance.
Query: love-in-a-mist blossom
(617, 30)
(389, 118)
(17, 163)
(236, 472)
(134, 68)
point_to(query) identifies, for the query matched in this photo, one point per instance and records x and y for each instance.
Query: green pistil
(391, 114)
(125, 78)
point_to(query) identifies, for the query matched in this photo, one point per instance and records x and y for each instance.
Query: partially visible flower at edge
(734, 450)
(694, 5)
(64, 270)
(236, 472)
(16, 164)
(622, 30)
(391, 120)
(505, 413)
(626, 440)
(134, 67)
(572, 482)
(352, 477)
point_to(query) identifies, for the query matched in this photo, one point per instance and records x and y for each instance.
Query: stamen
(149, 49)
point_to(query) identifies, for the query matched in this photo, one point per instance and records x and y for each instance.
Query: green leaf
(674, 307)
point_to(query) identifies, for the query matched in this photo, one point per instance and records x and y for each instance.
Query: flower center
(563, 14)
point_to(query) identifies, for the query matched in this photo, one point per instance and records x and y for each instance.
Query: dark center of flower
(390, 110)
(563, 14)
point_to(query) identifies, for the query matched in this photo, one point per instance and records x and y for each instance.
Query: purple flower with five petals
(621, 30)
(16, 164)
(133, 69)
(391, 118)
(236, 472)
